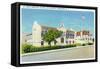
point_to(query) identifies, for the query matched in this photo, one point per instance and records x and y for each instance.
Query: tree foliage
(51, 35)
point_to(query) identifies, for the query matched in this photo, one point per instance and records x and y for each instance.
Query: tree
(51, 35)
(55, 42)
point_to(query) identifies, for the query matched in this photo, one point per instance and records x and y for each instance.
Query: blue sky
(76, 20)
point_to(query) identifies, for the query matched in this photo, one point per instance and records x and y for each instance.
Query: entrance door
(42, 42)
(62, 40)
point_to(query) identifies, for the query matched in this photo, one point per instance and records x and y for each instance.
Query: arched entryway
(62, 40)
(42, 43)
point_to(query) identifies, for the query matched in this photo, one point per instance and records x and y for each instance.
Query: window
(73, 42)
(42, 42)
(69, 42)
(66, 42)
(62, 40)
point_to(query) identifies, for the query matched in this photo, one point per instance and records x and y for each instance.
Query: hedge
(29, 48)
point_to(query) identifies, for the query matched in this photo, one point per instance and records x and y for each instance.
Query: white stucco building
(84, 36)
(69, 36)
(27, 38)
(38, 31)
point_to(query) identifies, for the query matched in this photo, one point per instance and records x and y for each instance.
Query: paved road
(62, 54)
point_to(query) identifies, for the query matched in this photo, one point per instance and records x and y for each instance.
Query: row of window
(86, 39)
(62, 41)
(68, 34)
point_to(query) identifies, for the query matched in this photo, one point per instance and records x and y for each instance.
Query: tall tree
(51, 35)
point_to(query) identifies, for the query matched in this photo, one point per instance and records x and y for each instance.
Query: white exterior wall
(83, 39)
(30, 41)
(36, 34)
(37, 38)
(63, 36)
(59, 41)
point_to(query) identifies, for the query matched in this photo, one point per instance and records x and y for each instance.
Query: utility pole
(83, 18)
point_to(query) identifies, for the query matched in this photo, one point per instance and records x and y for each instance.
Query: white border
(55, 8)
(51, 8)
(58, 60)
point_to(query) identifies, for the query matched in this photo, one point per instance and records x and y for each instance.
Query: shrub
(37, 49)
(26, 48)
(90, 43)
(83, 44)
(29, 48)
(72, 45)
(78, 44)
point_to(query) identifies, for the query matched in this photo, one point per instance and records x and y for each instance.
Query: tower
(62, 25)
(36, 34)
(62, 39)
